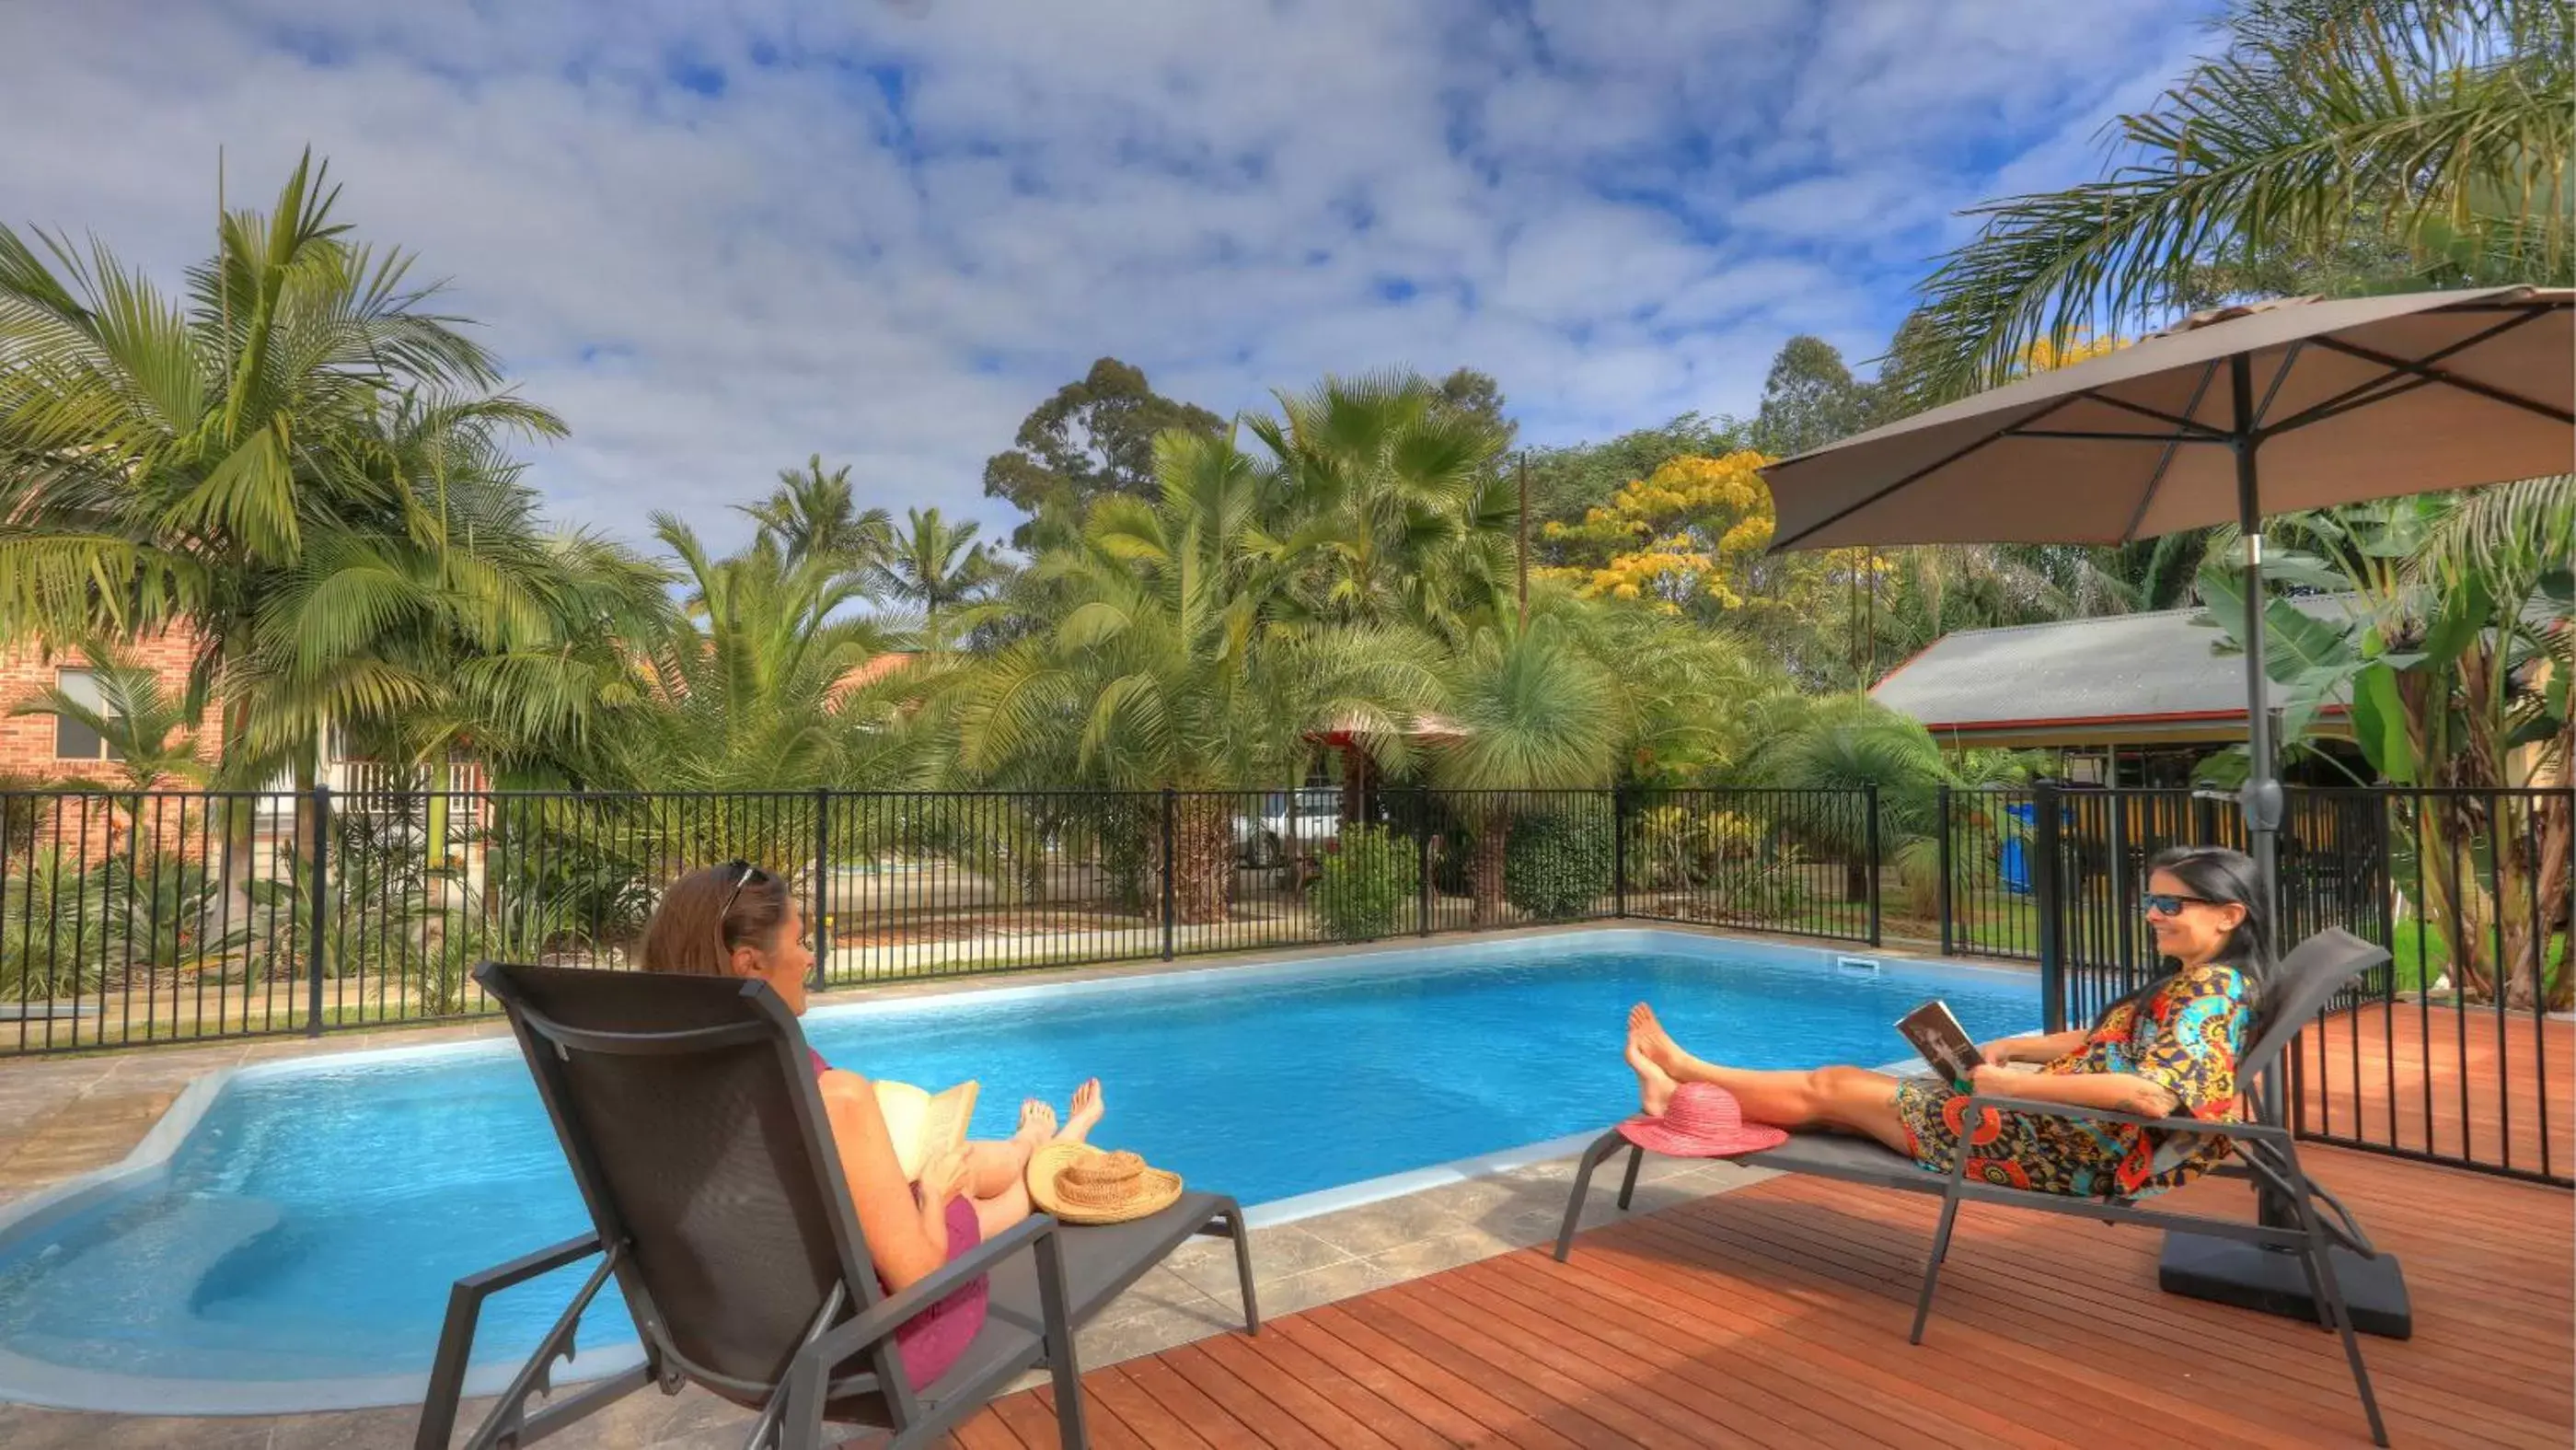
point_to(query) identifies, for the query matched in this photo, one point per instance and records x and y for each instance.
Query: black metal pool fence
(2467, 888)
(151, 917)
(136, 918)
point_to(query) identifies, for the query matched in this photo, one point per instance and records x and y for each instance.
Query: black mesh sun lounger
(687, 1110)
(2306, 980)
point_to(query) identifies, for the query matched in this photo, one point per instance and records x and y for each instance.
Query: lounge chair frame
(847, 1352)
(2265, 1153)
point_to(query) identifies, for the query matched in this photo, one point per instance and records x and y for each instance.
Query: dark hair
(2228, 878)
(2214, 873)
(708, 913)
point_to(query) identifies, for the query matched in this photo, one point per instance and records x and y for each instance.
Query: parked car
(1312, 818)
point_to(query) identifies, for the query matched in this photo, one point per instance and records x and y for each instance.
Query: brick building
(48, 748)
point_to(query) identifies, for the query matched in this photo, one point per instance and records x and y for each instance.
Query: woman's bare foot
(1654, 1085)
(1646, 1035)
(1088, 1106)
(1037, 1124)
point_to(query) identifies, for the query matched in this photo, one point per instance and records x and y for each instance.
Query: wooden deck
(1777, 1314)
(2494, 1088)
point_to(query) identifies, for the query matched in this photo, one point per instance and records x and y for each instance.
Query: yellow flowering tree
(1692, 530)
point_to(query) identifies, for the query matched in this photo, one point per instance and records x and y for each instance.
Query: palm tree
(289, 462)
(1394, 502)
(2433, 134)
(1533, 711)
(812, 513)
(936, 567)
(749, 686)
(1171, 667)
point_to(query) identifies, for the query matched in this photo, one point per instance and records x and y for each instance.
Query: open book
(1936, 1033)
(922, 1124)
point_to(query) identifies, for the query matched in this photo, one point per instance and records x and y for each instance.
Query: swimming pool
(295, 1248)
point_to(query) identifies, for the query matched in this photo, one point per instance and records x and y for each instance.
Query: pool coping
(30, 1381)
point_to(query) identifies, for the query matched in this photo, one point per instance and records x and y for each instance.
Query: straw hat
(1703, 1120)
(1081, 1184)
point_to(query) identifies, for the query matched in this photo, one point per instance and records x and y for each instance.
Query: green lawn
(2421, 960)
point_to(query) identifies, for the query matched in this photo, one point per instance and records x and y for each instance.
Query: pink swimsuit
(931, 1341)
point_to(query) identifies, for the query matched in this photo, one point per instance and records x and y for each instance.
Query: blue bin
(2010, 864)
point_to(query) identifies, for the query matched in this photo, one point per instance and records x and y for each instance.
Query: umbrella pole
(2223, 1270)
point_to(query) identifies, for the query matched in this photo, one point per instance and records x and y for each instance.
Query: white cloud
(899, 226)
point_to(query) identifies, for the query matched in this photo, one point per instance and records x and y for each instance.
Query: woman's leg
(1848, 1099)
(997, 1173)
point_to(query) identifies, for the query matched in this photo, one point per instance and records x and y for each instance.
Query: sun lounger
(688, 1112)
(2306, 980)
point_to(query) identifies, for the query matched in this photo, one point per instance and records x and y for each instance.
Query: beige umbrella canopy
(2329, 401)
(2231, 415)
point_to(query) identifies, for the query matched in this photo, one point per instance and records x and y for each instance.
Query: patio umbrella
(2231, 415)
(2235, 413)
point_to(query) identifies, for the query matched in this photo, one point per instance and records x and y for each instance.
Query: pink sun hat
(1703, 1120)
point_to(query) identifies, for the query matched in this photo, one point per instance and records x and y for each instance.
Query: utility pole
(1523, 470)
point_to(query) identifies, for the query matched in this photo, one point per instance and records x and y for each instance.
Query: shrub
(1677, 847)
(1767, 891)
(1918, 871)
(1556, 869)
(1365, 882)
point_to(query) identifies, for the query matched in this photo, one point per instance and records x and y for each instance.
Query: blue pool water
(308, 1228)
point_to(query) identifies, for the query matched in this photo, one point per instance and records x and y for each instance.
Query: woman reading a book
(2169, 1048)
(920, 1202)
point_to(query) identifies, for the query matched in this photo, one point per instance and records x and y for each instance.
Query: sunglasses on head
(743, 872)
(2166, 903)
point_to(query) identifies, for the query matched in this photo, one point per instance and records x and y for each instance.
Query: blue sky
(718, 238)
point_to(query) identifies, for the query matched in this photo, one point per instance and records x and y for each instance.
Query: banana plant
(2450, 652)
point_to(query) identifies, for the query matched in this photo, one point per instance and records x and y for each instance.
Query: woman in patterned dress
(2168, 1049)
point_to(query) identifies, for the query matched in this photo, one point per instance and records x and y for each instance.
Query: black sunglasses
(2166, 903)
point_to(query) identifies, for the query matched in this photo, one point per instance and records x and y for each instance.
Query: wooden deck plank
(1630, 1406)
(1744, 1407)
(1513, 1424)
(1140, 1413)
(2128, 1321)
(1316, 1403)
(1179, 1397)
(1776, 1314)
(1817, 1376)
(1385, 1417)
(1442, 1418)
(1246, 1405)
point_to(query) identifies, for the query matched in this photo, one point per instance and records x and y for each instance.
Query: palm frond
(2434, 121)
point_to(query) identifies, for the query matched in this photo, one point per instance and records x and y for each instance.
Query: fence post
(2046, 888)
(1171, 872)
(2126, 922)
(1422, 860)
(1869, 803)
(1941, 894)
(818, 914)
(321, 908)
(1619, 851)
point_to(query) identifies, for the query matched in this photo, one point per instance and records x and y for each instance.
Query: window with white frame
(73, 738)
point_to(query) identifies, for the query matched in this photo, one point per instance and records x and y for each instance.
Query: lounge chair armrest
(520, 1270)
(853, 1335)
(2254, 1132)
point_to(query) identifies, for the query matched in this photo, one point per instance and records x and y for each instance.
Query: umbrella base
(2248, 1276)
